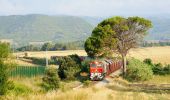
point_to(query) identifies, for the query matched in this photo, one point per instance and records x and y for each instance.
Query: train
(99, 69)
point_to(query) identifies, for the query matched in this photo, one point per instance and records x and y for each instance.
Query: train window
(96, 65)
(93, 65)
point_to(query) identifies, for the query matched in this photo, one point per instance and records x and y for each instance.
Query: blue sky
(85, 7)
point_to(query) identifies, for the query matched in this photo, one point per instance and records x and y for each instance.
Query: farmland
(157, 54)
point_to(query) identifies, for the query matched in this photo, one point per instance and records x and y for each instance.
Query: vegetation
(158, 68)
(138, 71)
(117, 34)
(68, 68)
(77, 45)
(155, 44)
(51, 79)
(5, 84)
(35, 28)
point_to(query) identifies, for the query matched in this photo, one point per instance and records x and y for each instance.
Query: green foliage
(4, 51)
(156, 43)
(51, 80)
(158, 68)
(47, 47)
(29, 48)
(20, 89)
(76, 58)
(148, 61)
(4, 68)
(86, 66)
(68, 68)
(118, 34)
(138, 71)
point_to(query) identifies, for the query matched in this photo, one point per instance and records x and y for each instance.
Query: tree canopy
(117, 34)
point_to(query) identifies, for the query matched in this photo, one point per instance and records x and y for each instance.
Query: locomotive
(100, 69)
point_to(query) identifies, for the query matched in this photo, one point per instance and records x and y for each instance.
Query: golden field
(157, 54)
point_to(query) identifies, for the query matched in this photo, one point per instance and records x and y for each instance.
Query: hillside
(26, 28)
(23, 29)
(161, 28)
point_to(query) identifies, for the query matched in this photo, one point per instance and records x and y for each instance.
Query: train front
(96, 70)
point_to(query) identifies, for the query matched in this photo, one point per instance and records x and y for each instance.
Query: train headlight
(96, 75)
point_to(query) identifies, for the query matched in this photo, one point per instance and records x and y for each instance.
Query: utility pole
(46, 58)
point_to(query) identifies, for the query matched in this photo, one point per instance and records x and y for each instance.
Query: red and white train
(100, 69)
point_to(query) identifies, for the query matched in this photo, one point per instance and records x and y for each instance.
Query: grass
(157, 54)
(159, 79)
(94, 93)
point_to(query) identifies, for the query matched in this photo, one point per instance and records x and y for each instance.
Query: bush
(20, 89)
(51, 79)
(158, 68)
(85, 66)
(148, 61)
(68, 68)
(138, 71)
(167, 69)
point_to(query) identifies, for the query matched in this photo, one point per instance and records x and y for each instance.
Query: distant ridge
(23, 29)
(26, 28)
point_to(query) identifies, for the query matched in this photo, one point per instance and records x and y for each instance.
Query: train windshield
(96, 65)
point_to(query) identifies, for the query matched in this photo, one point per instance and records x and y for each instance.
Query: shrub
(68, 68)
(20, 89)
(51, 79)
(167, 69)
(4, 68)
(158, 68)
(76, 58)
(148, 61)
(138, 71)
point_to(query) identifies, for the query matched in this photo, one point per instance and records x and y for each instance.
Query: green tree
(117, 34)
(51, 80)
(47, 46)
(4, 68)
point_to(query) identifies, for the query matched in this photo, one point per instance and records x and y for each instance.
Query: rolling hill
(25, 28)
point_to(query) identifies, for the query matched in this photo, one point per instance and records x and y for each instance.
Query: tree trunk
(124, 65)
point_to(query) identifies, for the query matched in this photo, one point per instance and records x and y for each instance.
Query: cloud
(85, 7)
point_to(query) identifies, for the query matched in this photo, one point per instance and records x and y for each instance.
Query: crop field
(157, 54)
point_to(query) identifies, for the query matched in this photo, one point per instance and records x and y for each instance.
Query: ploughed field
(157, 54)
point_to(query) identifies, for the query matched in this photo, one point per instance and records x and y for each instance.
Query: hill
(161, 28)
(25, 28)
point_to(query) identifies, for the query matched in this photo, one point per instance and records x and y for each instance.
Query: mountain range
(23, 29)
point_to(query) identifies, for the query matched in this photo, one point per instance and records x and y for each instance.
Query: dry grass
(157, 54)
(93, 93)
(159, 79)
(23, 63)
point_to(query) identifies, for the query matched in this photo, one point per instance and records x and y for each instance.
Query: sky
(97, 8)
